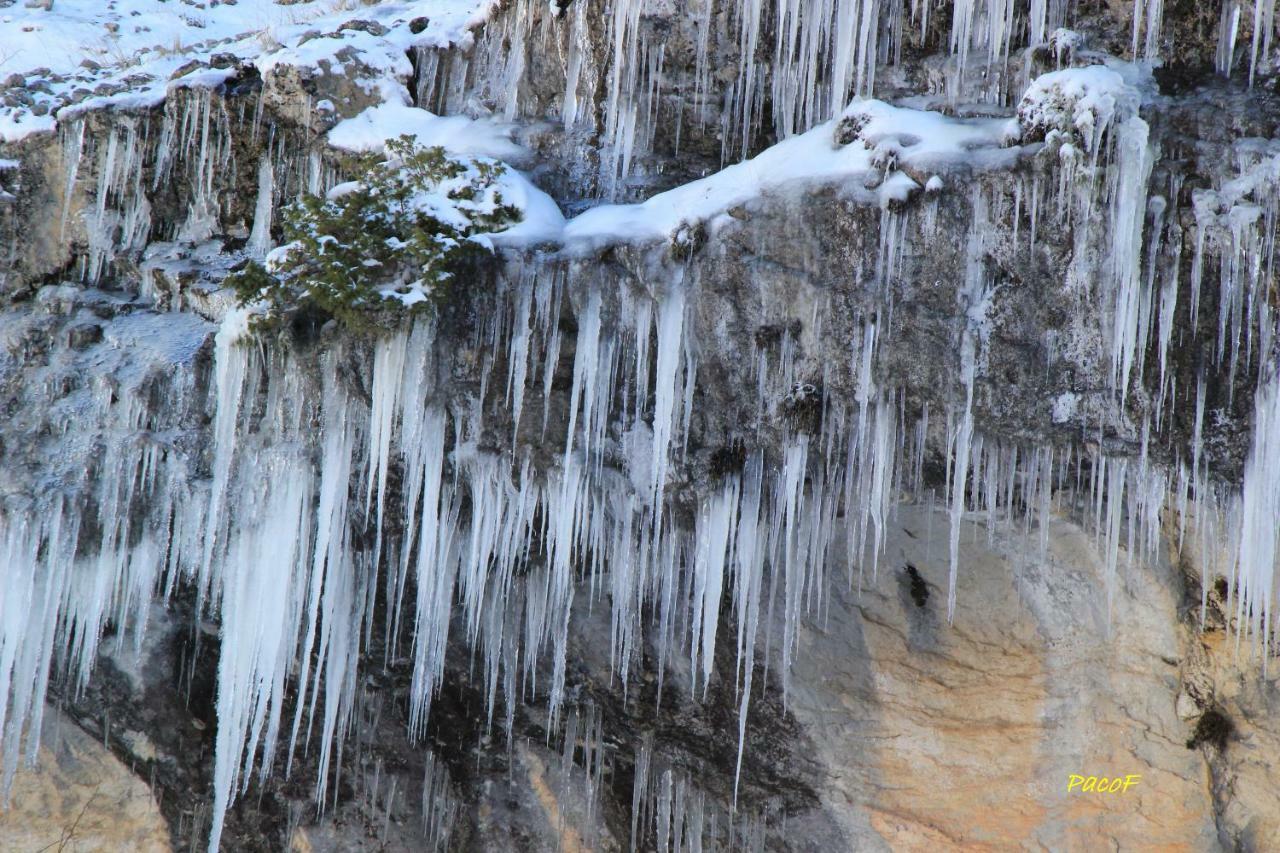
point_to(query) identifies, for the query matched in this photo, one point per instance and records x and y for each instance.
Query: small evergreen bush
(393, 238)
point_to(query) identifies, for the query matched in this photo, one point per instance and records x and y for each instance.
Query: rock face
(872, 493)
(80, 797)
(972, 732)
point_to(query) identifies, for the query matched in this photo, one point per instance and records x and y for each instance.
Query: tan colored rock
(1223, 672)
(964, 737)
(80, 798)
(1186, 707)
(1243, 773)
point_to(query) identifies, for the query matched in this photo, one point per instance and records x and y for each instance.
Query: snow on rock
(127, 52)
(541, 220)
(62, 38)
(895, 141)
(460, 135)
(1080, 103)
(15, 125)
(1065, 406)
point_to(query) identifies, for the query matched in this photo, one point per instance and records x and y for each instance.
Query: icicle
(579, 52)
(72, 153)
(35, 556)
(1168, 307)
(435, 569)
(260, 237)
(748, 569)
(331, 573)
(975, 301)
(1129, 204)
(670, 347)
(389, 357)
(231, 368)
(1037, 21)
(1259, 537)
(260, 620)
(968, 35)
(207, 124)
(1147, 23)
(586, 375)
(518, 358)
(1264, 13)
(791, 548)
(439, 807)
(1113, 491)
(621, 107)
(1228, 33)
(713, 552)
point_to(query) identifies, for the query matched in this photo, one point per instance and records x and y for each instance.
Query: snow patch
(893, 136)
(459, 135)
(127, 51)
(1077, 102)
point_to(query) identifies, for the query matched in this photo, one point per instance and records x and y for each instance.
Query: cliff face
(844, 472)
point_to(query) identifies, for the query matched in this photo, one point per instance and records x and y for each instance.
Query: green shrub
(393, 238)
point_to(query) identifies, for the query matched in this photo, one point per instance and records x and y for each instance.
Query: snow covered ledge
(885, 154)
(881, 154)
(888, 153)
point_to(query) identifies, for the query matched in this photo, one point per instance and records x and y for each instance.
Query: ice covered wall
(637, 94)
(1025, 294)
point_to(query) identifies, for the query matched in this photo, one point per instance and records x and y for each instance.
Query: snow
(926, 140)
(133, 47)
(1077, 101)
(458, 135)
(464, 138)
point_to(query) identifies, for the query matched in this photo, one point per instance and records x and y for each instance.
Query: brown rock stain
(570, 841)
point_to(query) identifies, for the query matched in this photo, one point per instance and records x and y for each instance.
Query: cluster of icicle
(484, 546)
(193, 142)
(798, 63)
(669, 811)
(381, 799)
(296, 534)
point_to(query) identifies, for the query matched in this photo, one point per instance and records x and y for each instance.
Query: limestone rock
(966, 736)
(80, 798)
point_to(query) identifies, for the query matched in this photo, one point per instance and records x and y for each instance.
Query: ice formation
(287, 496)
(292, 535)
